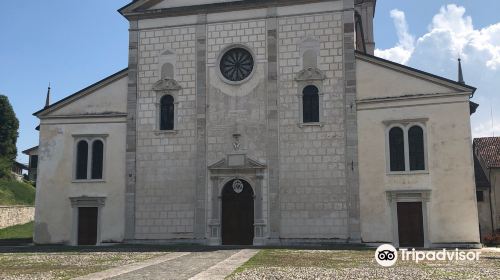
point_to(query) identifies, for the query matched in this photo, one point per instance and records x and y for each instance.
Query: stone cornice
(139, 11)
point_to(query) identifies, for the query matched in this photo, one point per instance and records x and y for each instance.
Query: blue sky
(72, 44)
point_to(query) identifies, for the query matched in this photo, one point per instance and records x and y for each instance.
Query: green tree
(9, 126)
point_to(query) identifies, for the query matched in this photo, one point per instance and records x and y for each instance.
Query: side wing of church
(258, 123)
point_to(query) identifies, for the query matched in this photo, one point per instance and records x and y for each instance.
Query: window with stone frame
(97, 159)
(89, 163)
(416, 148)
(82, 157)
(167, 112)
(310, 104)
(406, 148)
(397, 149)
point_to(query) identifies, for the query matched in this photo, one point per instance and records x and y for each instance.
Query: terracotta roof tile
(488, 148)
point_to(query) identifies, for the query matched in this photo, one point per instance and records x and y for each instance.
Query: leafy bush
(5, 168)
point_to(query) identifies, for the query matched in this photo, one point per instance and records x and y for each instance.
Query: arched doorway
(237, 213)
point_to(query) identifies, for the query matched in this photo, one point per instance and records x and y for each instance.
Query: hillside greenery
(16, 193)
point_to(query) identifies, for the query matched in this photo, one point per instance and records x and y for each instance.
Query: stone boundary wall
(15, 215)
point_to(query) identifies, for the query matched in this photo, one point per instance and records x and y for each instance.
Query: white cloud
(451, 33)
(487, 129)
(402, 52)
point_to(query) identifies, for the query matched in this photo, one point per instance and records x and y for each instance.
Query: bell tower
(365, 11)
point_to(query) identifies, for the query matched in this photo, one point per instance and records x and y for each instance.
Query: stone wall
(166, 160)
(15, 215)
(312, 165)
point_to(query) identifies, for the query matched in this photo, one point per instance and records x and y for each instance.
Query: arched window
(310, 104)
(97, 159)
(82, 153)
(397, 149)
(310, 59)
(167, 71)
(167, 113)
(416, 148)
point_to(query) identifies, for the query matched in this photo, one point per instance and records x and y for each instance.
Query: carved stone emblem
(236, 142)
(238, 186)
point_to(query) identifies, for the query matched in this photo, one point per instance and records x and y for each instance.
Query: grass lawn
(17, 231)
(16, 193)
(359, 264)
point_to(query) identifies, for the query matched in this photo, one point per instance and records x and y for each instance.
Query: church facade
(258, 123)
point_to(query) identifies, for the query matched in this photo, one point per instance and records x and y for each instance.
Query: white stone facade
(308, 183)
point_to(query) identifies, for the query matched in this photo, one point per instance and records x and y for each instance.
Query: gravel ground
(363, 266)
(64, 265)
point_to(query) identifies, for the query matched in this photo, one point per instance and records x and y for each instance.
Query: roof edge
(60, 102)
(29, 150)
(370, 57)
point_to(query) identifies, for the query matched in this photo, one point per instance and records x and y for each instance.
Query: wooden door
(237, 214)
(87, 225)
(410, 224)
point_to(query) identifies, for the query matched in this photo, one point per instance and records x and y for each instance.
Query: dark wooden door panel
(237, 215)
(87, 225)
(410, 224)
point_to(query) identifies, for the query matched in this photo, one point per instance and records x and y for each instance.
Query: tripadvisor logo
(386, 255)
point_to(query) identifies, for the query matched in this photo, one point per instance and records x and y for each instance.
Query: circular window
(236, 64)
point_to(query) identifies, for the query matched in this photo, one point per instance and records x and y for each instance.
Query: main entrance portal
(237, 213)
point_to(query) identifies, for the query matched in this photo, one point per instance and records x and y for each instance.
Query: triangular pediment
(148, 5)
(237, 161)
(166, 85)
(377, 78)
(310, 74)
(107, 97)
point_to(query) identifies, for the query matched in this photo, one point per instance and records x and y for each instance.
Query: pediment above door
(237, 161)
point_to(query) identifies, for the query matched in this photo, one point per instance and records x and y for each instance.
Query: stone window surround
(395, 196)
(90, 139)
(405, 125)
(300, 95)
(221, 54)
(159, 96)
(85, 201)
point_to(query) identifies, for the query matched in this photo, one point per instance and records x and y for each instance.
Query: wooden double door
(237, 213)
(410, 224)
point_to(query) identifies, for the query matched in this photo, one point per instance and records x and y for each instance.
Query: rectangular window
(34, 161)
(480, 196)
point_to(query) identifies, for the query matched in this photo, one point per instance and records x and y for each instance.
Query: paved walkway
(210, 265)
